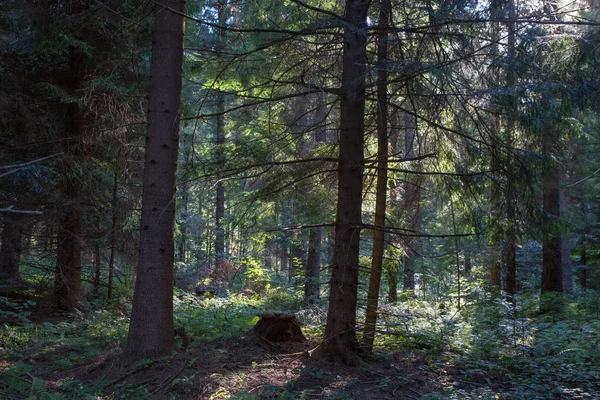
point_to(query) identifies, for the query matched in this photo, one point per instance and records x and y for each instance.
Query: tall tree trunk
(566, 265)
(313, 266)
(151, 329)
(392, 269)
(509, 246)
(411, 205)
(496, 190)
(184, 189)
(551, 245)
(312, 291)
(220, 257)
(220, 195)
(10, 253)
(341, 343)
(113, 232)
(382, 182)
(67, 279)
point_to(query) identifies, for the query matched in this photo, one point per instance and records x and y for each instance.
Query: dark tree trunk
(151, 330)
(552, 278)
(313, 266)
(509, 246)
(382, 182)
(97, 258)
(113, 233)
(341, 343)
(67, 280)
(566, 265)
(586, 231)
(67, 289)
(68, 261)
(10, 254)
(497, 11)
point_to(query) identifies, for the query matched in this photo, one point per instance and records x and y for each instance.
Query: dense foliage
(482, 114)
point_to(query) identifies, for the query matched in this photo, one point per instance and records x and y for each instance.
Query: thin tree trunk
(220, 195)
(586, 231)
(313, 266)
(392, 268)
(496, 191)
(10, 253)
(457, 254)
(340, 342)
(411, 206)
(97, 258)
(382, 182)
(509, 246)
(220, 256)
(151, 330)
(184, 189)
(566, 265)
(113, 233)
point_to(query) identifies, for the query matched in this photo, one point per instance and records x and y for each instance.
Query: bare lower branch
(11, 210)
(17, 167)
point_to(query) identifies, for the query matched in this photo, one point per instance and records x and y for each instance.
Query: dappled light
(299, 199)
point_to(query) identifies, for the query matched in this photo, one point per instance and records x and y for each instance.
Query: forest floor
(45, 356)
(247, 368)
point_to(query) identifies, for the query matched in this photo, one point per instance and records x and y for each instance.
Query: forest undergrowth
(489, 349)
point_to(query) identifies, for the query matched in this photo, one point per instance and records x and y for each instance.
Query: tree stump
(279, 328)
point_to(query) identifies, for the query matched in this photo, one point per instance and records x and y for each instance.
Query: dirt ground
(267, 371)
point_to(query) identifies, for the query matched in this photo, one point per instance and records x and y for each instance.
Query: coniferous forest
(298, 199)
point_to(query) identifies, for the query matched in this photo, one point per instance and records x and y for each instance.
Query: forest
(299, 199)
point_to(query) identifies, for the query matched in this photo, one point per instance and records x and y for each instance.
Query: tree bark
(509, 246)
(566, 265)
(220, 256)
(496, 190)
(97, 258)
(10, 254)
(113, 233)
(151, 330)
(67, 279)
(313, 266)
(220, 190)
(382, 182)
(341, 343)
(411, 206)
(551, 245)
